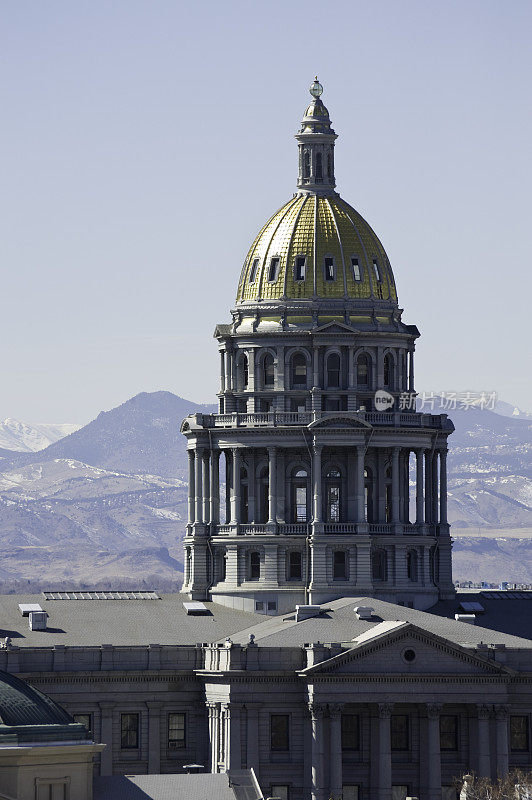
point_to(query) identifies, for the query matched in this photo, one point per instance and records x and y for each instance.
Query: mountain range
(106, 504)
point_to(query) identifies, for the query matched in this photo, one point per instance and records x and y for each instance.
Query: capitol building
(318, 642)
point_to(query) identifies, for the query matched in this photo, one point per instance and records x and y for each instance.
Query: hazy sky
(143, 143)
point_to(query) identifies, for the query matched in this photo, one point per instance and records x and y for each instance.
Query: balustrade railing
(391, 419)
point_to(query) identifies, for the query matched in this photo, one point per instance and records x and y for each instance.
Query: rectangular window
(301, 503)
(253, 271)
(83, 719)
(176, 731)
(294, 570)
(339, 565)
(52, 789)
(357, 272)
(329, 268)
(399, 731)
(280, 790)
(448, 732)
(266, 404)
(350, 732)
(129, 731)
(272, 605)
(254, 566)
(274, 269)
(519, 740)
(299, 268)
(376, 270)
(279, 732)
(298, 404)
(333, 503)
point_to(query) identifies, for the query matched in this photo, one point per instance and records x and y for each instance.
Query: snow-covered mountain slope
(19, 436)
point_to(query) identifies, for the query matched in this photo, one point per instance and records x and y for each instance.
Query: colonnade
(328, 749)
(431, 486)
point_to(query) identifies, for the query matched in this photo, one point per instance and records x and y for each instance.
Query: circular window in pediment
(409, 655)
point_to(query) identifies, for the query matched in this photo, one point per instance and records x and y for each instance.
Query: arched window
(268, 370)
(411, 565)
(319, 167)
(368, 495)
(300, 496)
(329, 165)
(244, 496)
(243, 373)
(333, 483)
(299, 370)
(306, 164)
(294, 566)
(333, 370)
(263, 496)
(388, 371)
(254, 566)
(388, 494)
(434, 565)
(363, 371)
(379, 565)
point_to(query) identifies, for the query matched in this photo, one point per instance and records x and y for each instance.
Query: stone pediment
(341, 419)
(387, 649)
(335, 327)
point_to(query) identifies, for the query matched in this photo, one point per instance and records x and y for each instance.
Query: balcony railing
(304, 528)
(273, 419)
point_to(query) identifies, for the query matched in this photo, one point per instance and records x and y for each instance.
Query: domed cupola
(317, 250)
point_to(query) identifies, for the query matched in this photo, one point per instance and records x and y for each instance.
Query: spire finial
(316, 88)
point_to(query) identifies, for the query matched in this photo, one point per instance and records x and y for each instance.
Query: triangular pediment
(341, 419)
(387, 649)
(335, 327)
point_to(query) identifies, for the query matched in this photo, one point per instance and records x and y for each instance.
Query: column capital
(483, 711)
(501, 711)
(335, 709)
(385, 710)
(317, 448)
(317, 709)
(272, 450)
(154, 705)
(433, 710)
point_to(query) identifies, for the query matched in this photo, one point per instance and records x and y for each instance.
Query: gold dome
(313, 248)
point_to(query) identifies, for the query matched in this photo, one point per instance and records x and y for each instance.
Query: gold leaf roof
(317, 227)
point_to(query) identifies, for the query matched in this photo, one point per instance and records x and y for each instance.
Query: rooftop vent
(470, 618)
(37, 620)
(26, 608)
(364, 612)
(92, 594)
(472, 607)
(306, 612)
(196, 608)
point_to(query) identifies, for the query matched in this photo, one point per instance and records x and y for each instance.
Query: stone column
(222, 371)
(272, 486)
(198, 464)
(428, 486)
(252, 738)
(316, 480)
(419, 487)
(229, 370)
(411, 371)
(213, 735)
(191, 488)
(235, 493)
(501, 717)
(435, 487)
(360, 488)
(215, 487)
(443, 485)
(233, 757)
(433, 752)
(154, 737)
(106, 737)
(483, 734)
(206, 486)
(385, 752)
(317, 762)
(395, 485)
(335, 749)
